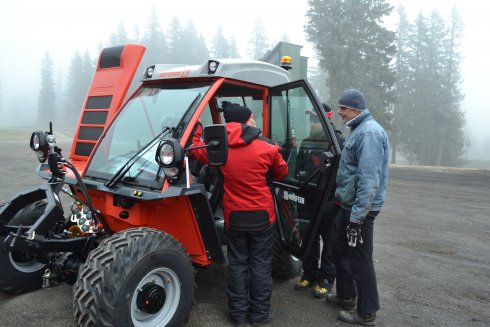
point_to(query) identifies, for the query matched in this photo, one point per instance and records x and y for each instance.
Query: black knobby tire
(19, 271)
(284, 265)
(109, 284)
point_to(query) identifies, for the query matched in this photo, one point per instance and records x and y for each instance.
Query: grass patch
(18, 134)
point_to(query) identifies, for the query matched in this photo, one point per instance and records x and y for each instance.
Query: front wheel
(20, 271)
(140, 277)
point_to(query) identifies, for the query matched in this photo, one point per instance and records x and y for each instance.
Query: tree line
(178, 44)
(410, 76)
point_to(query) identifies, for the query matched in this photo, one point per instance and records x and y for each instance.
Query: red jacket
(247, 199)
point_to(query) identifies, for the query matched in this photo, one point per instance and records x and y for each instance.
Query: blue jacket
(363, 168)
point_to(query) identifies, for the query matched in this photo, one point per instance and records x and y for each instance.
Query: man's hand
(354, 234)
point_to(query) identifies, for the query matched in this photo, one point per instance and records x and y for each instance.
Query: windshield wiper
(127, 166)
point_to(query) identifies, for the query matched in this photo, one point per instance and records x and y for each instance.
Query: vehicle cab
(117, 138)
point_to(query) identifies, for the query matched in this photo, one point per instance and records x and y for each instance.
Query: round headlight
(35, 142)
(166, 154)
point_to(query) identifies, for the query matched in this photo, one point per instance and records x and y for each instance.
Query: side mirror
(216, 139)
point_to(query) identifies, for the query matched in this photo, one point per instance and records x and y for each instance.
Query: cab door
(312, 154)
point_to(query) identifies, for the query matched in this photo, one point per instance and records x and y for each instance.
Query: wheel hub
(151, 298)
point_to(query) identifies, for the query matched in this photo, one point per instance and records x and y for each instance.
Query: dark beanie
(326, 107)
(236, 113)
(352, 99)
(328, 110)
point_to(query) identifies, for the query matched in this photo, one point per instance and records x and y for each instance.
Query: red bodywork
(172, 215)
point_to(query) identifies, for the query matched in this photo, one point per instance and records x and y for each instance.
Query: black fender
(52, 214)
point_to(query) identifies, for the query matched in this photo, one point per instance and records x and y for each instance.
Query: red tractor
(144, 216)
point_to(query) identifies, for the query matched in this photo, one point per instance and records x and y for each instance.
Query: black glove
(354, 234)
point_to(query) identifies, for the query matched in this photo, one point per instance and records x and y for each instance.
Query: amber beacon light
(286, 62)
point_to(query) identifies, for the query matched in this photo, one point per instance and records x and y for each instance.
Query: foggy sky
(30, 28)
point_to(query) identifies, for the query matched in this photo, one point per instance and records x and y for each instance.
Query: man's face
(315, 125)
(347, 114)
(251, 121)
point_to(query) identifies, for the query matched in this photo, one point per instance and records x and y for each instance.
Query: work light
(212, 66)
(169, 154)
(39, 144)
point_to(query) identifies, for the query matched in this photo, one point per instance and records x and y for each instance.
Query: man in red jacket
(249, 212)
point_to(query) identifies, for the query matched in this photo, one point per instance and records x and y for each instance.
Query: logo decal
(177, 74)
(293, 197)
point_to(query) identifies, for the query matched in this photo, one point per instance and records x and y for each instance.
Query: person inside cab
(318, 266)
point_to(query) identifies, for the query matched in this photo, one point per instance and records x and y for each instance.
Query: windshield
(153, 110)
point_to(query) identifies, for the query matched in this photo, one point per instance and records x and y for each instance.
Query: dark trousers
(326, 270)
(249, 273)
(354, 266)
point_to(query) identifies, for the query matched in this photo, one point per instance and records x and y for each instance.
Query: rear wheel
(139, 277)
(284, 265)
(19, 271)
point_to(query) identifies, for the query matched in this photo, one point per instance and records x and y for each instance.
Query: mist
(29, 30)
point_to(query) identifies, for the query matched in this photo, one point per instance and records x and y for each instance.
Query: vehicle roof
(252, 71)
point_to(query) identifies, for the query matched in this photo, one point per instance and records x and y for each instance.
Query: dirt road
(432, 257)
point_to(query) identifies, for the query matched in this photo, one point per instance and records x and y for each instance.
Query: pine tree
(317, 79)
(355, 49)
(418, 137)
(234, 52)
(88, 71)
(136, 35)
(437, 101)
(221, 46)
(74, 96)
(60, 98)
(178, 54)
(155, 42)
(259, 43)
(120, 37)
(403, 109)
(428, 114)
(453, 145)
(202, 49)
(193, 45)
(47, 99)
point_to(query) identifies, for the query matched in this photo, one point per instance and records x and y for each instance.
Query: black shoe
(346, 304)
(264, 321)
(354, 317)
(236, 323)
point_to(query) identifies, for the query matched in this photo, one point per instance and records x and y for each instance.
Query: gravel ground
(431, 256)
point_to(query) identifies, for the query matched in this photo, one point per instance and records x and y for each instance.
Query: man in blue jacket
(361, 188)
